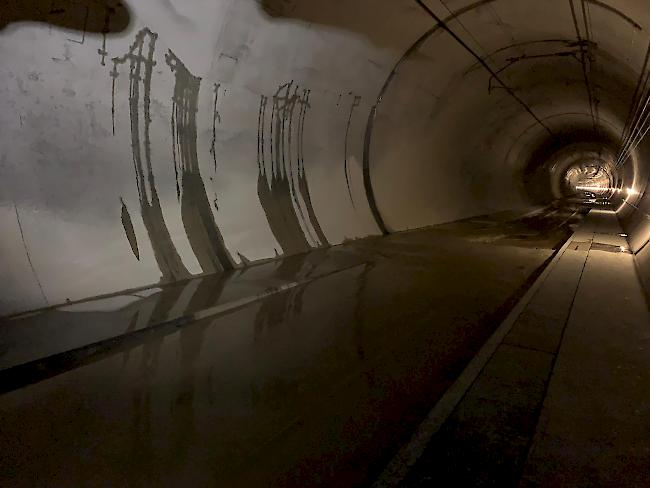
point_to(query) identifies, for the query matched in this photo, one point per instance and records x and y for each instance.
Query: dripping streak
(355, 103)
(303, 184)
(216, 117)
(169, 261)
(202, 231)
(293, 101)
(28, 255)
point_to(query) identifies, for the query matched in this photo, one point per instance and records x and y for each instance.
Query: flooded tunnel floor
(311, 370)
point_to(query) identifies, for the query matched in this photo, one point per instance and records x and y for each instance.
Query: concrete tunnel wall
(141, 151)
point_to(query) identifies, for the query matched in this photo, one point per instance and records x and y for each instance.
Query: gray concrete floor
(577, 354)
(307, 371)
(595, 424)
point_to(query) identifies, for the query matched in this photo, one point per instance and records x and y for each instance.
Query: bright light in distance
(592, 188)
(605, 189)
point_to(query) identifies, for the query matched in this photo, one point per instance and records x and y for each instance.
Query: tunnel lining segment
(367, 180)
(378, 215)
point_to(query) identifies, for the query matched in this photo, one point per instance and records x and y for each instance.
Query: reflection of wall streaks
(191, 338)
(355, 103)
(277, 308)
(169, 262)
(277, 190)
(143, 403)
(202, 231)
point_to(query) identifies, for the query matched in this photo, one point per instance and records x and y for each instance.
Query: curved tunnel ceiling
(569, 66)
(557, 76)
(403, 114)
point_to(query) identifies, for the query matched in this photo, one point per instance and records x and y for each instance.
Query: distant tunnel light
(632, 191)
(592, 188)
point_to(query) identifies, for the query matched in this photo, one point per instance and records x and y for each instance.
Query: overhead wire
(460, 22)
(638, 118)
(583, 55)
(482, 62)
(642, 132)
(630, 143)
(637, 96)
(586, 12)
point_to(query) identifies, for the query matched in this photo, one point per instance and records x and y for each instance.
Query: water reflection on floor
(314, 385)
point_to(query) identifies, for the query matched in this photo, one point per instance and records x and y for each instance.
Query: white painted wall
(443, 147)
(63, 171)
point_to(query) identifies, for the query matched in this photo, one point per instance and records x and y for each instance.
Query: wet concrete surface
(317, 382)
(30, 337)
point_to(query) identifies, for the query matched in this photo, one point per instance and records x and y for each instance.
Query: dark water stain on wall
(102, 51)
(303, 183)
(202, 231)
(216, 118)
(282, 176)
(127, 223)
(273, 186)
(293, 165)
(355, 103)
(140, 60)
(281, 189)
(264, 193)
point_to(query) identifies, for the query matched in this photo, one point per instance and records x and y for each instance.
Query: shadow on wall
(101, 16)
(358, 16)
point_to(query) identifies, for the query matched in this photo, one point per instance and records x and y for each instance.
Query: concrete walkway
(594, 429)
(564, 399)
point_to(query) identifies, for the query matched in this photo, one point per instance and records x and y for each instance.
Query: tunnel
(325, 243)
